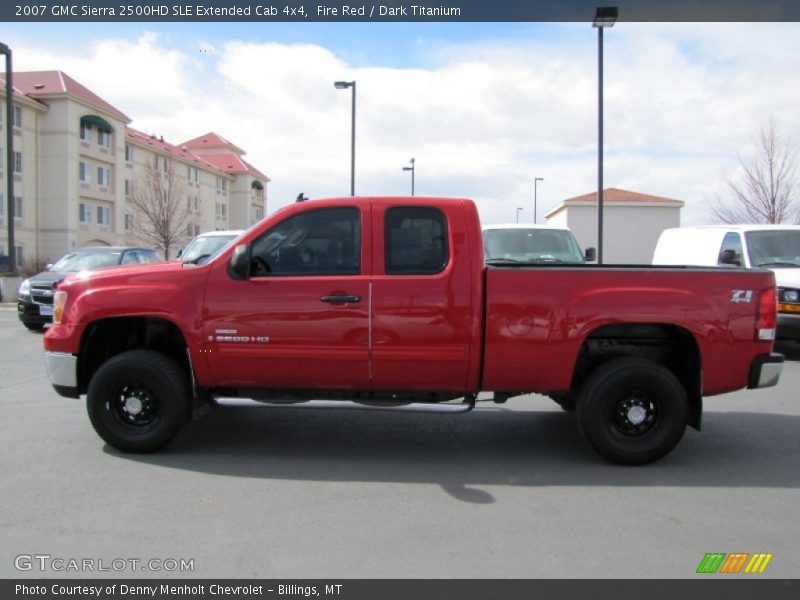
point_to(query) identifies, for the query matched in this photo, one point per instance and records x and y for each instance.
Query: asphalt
(506, 491)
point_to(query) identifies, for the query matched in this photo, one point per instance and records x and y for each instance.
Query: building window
(221, 210)
(103, 138)
(103, 215)
(103, 176)
(2, 161)
(224, 185)
(127, 187)
(17, 162)
(83, 173)
(84, 213)
(17, 207)
(19, 255)
(17, 116)
(128, 222)
(128, 153)
(86, 132)
(2, 206)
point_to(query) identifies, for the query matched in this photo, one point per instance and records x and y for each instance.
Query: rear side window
(731, 252)
(416, 241)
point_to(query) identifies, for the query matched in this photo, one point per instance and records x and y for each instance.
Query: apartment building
(77, 163)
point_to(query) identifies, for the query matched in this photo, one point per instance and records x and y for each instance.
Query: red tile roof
(214, 141)
(43, 84)
(618, 195)
(158, 143)
(233, 163)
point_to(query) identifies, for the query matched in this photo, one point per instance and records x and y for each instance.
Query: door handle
(340, 299)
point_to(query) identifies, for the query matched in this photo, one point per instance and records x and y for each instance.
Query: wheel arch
(105, 338)
(671, 345)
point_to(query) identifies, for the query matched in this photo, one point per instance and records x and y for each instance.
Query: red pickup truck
(387, 304)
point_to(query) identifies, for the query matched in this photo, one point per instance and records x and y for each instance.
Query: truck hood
(110, 275)
(788, 277)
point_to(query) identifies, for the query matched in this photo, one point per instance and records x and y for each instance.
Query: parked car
(387, 304)
(774, 247)
(533, 243)
(35, 295)
(206, 246)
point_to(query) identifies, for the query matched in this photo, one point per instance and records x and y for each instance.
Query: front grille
(42, 293)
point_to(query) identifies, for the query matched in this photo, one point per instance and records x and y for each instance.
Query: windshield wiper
(491, 261)
(196, 260)
(778, 264)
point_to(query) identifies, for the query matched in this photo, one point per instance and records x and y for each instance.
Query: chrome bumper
(62, 370)
(765, 371)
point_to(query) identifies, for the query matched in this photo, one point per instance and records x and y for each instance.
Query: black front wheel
(633, 411)
(138, 401)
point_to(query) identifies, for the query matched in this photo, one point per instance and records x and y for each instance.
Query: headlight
(790, 296)
(25, 288)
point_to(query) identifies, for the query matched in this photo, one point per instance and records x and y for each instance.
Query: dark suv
(35, 296)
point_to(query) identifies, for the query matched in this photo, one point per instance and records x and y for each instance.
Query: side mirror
(591, 254)
(239, 266)
(730, 257)
(48, 266)
(178, 255)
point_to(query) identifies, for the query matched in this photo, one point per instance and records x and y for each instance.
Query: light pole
(519, 209)
(12, 250)
(605, 16)
(411, 168)
(343, 85)
(535, 181)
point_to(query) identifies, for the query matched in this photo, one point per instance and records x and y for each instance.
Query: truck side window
(415, 240)
(318, 242)
(731, 253)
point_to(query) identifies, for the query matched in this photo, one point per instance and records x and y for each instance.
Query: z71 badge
(742, 296)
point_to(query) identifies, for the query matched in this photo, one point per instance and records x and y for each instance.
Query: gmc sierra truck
(387, 304)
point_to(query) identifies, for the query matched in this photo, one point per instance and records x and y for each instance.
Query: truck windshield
(531, 245)
(203, 248)
(774, 248)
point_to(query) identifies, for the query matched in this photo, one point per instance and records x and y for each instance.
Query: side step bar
(443, 408)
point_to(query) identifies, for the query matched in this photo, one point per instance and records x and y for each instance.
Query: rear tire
(633, 411)
(138, 401)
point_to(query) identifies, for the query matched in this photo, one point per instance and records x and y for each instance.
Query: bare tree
(765, 187)
(159, 206)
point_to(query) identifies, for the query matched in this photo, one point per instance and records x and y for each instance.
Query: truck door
(421, 297)
(300, 320)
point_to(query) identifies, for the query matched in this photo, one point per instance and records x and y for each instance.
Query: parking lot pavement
(504, 491)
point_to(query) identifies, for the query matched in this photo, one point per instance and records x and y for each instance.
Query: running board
(442, 408)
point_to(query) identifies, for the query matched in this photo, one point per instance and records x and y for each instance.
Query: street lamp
(12, 250)
(535, 181)
(605, 16)
(519, 208)
(343, 85)
(411, 168)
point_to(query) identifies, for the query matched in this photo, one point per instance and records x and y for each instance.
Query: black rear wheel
(632, 410)
(138, 401)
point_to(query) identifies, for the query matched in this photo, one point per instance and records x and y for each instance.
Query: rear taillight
(767, 318)
(59, 301)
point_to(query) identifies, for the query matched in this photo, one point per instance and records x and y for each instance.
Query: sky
(484, 108)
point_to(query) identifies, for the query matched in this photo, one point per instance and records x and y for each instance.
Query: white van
(775, 247)
(532, 243)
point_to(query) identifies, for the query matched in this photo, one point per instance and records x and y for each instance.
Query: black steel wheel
(138, 401)
(632, 410)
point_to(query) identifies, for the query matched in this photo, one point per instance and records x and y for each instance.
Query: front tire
(138, 401)
(633, 411)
